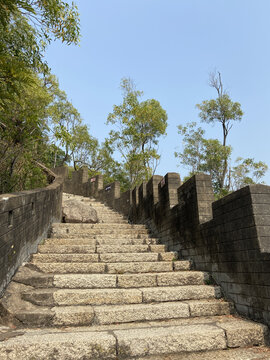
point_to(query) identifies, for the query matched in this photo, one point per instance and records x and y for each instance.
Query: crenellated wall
(230, 237)
(25, 219)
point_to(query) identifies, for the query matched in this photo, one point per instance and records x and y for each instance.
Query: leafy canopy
(209, 155)
(137, 128)
(222, 109)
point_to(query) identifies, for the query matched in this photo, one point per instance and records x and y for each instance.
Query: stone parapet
(25, 219)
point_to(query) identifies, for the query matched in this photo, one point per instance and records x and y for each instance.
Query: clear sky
(168, 47)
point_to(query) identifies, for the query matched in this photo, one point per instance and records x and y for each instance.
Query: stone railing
(230, 238)
(25, 219)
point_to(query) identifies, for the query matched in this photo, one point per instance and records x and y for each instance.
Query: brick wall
(25, 219)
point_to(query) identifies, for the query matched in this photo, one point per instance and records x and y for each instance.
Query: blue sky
(168, 48)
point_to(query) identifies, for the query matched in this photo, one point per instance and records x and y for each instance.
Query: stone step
(118, 226)
(87, 227)
(27, 276)
(99, 240)
(115, 314)
(110, 221)
(88, 249)
(144, 340)
(102, 257)
(114, 235)
(67, 231)
(254, 353)
(86, 315)
(67, 249)
(111, 268)
(107, 214)
(130, 248)
(126, 240)
(69, 297)
(68, 258)
(104, 232)
(110, 215)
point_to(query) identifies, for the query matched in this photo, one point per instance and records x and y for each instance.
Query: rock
(77, 211)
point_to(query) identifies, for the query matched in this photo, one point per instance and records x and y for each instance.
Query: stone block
(84, 281)
(136, 280)
(242, 333)
(178, 293)
(138, 267)
(97, 296)
(141, 312)
(166, 340)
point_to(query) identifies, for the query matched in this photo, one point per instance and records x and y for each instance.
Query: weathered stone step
(99, 240)
(68, 297)
(111, 268)
(107, 258)
(62, 231)
(113, 236)
(114, 233)
(86, 315)
(110, 221)
(139, 342)
(27, 276)
(87, 227)
(192, 338)
(108, 240)
(254, 353)
(114, 314)
(102, 226)
(67, 249)
(103, 213)
(130, 248)
(61, 258)
(88, 249)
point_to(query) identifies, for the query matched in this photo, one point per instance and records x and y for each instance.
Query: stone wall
(230, 238)
(25, 219)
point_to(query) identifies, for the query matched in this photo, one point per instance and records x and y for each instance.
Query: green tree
(138, 126)
(222, 110)
(247, 171)
(208, 155)
(53, 155)
(193, 146)
(26, 27)
(65, 123)
(54, 19)
(26, 88)
(215, 155)
(22, 134)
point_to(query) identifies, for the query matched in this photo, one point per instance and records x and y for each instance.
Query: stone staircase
(111, 291)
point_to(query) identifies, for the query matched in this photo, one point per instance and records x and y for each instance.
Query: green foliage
(222, 109)
(209, 156)
(65, 122)
(215, 155)
(22, 132)
(247, 171)
(26, 27)
(192, 138)
(138, 126)
(53, 19)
